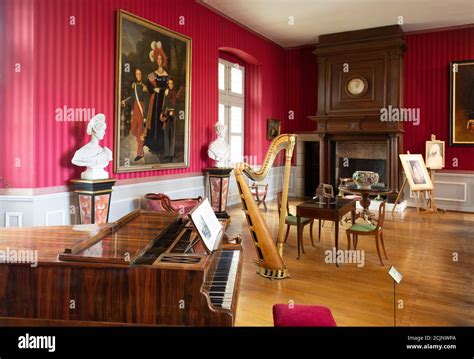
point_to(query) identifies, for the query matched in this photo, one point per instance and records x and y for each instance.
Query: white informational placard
(207, 224)
(396, 275)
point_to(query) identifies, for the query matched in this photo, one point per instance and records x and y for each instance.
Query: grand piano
(148, 268)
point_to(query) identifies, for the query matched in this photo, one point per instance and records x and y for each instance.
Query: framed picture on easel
(415, 170)
(435, 154)
(419, 180)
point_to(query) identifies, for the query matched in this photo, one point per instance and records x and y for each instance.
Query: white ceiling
(312, 18)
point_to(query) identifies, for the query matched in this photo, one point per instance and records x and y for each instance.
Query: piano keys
(148, 268)
(221, 286)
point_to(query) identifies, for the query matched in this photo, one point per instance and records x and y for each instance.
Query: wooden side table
(365, 193)
(334, 210)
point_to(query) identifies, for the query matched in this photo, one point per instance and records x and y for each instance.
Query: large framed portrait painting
(153, 77)
(462, 103)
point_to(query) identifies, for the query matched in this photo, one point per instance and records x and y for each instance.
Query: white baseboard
(374, 206)
(452, 191)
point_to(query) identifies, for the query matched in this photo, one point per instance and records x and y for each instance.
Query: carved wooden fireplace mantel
(359, 73)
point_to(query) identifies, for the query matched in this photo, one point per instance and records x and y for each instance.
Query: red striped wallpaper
(73, 66)
(426, 86)
(16, 93)
(301, 79)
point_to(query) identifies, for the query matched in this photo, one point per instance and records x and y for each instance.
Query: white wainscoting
(61, 208)
(13, 219)
(452, 191)
(56, 217)
(275, 185)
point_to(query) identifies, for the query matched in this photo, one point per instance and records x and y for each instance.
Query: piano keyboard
(222, 285)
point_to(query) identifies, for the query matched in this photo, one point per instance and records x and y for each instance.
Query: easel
(432, 172)
(431, 197)
(431, 208)
(397, 201)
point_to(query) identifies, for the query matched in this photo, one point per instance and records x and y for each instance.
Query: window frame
(232, 99)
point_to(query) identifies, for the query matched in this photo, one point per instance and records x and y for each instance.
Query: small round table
(365, 193)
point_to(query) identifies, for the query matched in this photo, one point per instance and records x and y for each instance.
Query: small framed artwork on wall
(462, 103)
(273, 128)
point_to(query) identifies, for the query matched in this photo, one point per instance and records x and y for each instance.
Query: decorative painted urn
(365, 179)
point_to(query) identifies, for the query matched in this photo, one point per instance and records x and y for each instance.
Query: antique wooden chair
(291, 220)
(356, 197)
(367, 229)
(326, 191)
(259, 193)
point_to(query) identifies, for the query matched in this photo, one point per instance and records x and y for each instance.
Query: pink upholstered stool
(302, 316)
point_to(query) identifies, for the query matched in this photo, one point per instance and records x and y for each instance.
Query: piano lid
(124, 241)
(118, 242)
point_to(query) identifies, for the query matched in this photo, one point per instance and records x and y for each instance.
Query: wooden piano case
(140, 270)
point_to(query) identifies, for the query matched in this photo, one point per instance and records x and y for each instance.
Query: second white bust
(219, 149)
(92, 155)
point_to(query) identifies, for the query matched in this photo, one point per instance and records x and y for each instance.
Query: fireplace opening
(347, 167)
(311, 168)
(360, 155)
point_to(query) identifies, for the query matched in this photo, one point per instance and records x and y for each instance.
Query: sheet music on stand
(207, 225)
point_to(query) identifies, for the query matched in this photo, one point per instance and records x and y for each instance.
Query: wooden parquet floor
(436, 290)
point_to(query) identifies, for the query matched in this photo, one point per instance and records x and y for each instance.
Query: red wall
(74, 66)
(16, 93)
(301, 79)
(426, 86)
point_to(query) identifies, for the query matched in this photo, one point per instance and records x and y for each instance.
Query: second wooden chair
(291, 220)
(367, 229)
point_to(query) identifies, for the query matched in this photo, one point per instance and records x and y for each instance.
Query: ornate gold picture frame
(462, 103)
(152, 96)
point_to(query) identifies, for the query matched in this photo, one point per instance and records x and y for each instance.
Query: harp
(270, 256)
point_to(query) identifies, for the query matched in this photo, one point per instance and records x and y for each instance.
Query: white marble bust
(92, 155)
(219, 149)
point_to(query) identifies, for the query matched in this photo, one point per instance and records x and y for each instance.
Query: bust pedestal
(219, 181)
(94, 200)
